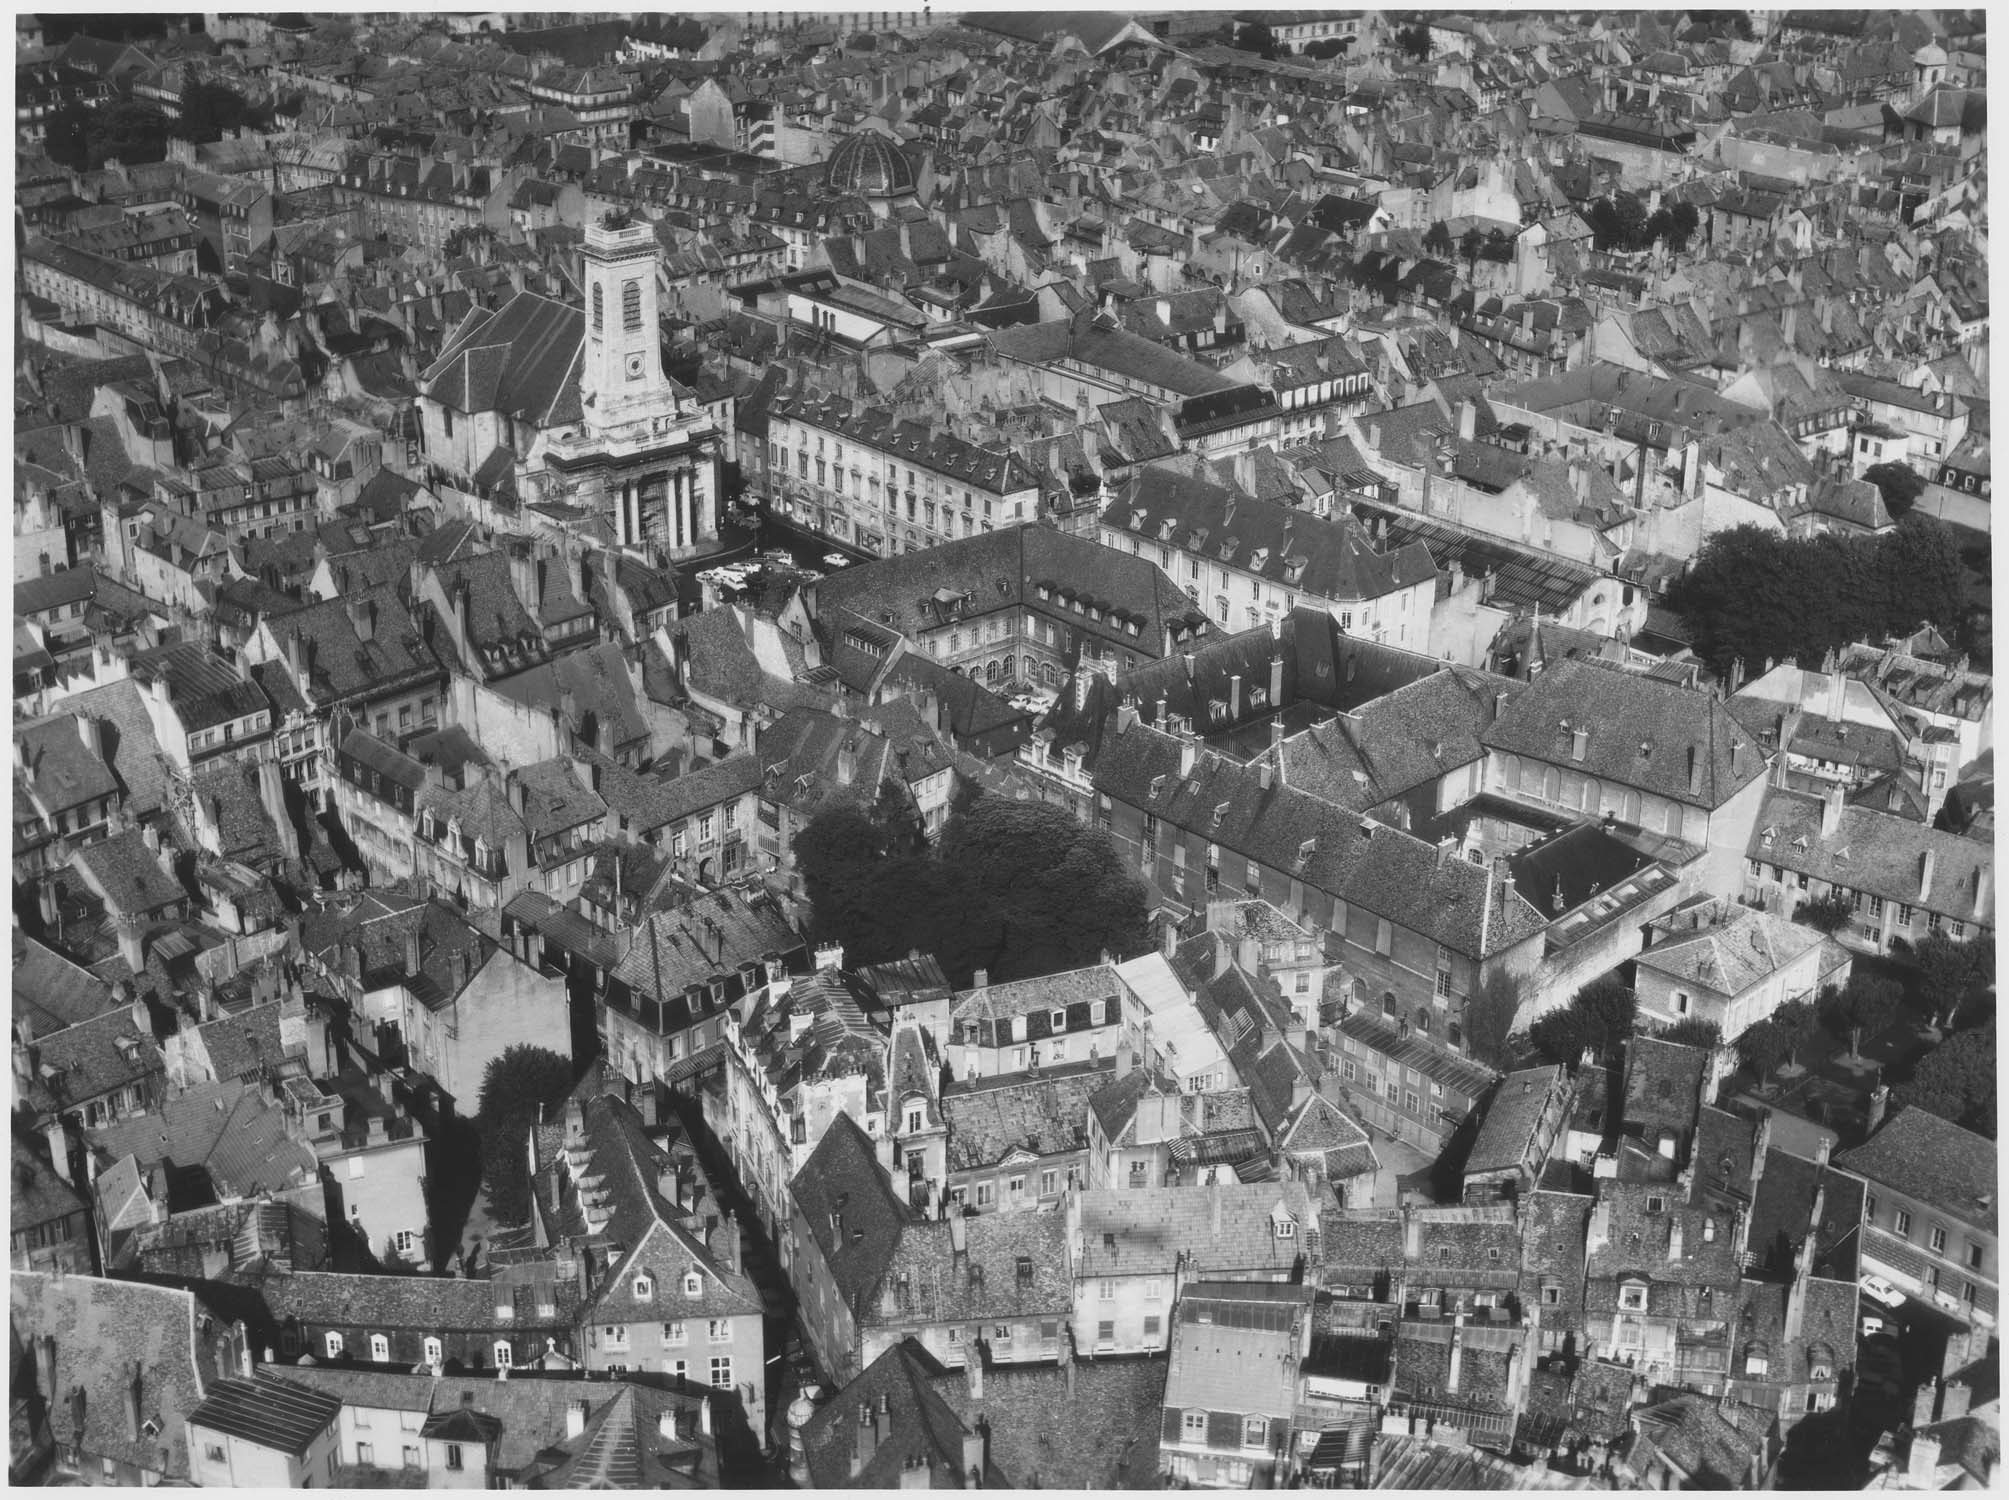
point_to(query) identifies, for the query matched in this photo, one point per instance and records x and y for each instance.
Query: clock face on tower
(635, 367)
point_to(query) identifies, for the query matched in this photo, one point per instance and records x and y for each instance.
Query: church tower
(621, 374)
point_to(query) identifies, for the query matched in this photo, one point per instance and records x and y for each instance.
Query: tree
(1694, 1032)
(1437, 240)
(1597, 1020)
(1866, 1005)
(1253, 36)
(1948, 972)
(1489, 1019)
(515, 1087)
(1470, 243)
(1415, 41)
(1956, 1081)
(1920, 566)
(1829, 913)
(1898, 483)
(209, 109)
(1763, 1046)
(1684, 220)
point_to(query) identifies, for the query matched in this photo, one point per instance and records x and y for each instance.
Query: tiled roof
(1015, 1266)
(108, 1333)
(1679, 743)
(1937, 1162)
(1511, 1116)
(1150, 1226)
(1091, 1426)
(1730, 956)
(989, 1118)
(322, 1300)
(1397, 742)
(227, 1127)
(1005, 570)
(713, 934)
(267, 1412)
(88, 1060)
(1875, 852)
(338, 663)
(1377, 868)
(1663, 1084)
(50, 992)
(59, 768)
(920, 1428)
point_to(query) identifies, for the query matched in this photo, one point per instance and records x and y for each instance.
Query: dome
(1931, 55)
(869, 164)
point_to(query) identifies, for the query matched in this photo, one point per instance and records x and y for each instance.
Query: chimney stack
(1831, 811)
(575, 1418)
(1925, 874)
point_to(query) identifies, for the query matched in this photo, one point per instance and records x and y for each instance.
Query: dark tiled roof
(1641, 732)
(522, 359)
(267, 1411)
(991, 1117)
(1934, 1160)
(1093, 1426)
(855, 1217)
(920, 1429)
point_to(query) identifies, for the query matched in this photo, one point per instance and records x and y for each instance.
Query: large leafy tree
(1694, 1032)
(1956, 1081)
(1015, 888)
(1489, 1019)
(1865, 1006)
(1950, 972)
(1829, 913)
(1898, 483)
(514, 1088)
(1597, 1020)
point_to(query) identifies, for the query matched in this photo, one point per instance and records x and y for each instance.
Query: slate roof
(49, 991)
(323, 1300)
(522, 359)
(342, 665)
(1933, 1160)
(1015, 1266)
(60, 770)
(271, 1413)
(921, 1427)
(105, 1331)
(842, 1178)
(88, 1060)
(712, 934)
(1511, 1116)
(1399, 741)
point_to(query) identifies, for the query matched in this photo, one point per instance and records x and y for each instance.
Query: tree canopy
(1864, 1007)
(1694, 1032)
(1898, 483)
(1956, 1080)
(1758, 596)
(1415, 40)
(514, 1087)
(1829, 913)
(127, 131)
(1489, 1019)
(1014, 888)
(1597, 1020)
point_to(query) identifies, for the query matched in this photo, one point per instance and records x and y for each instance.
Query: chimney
(1216, 1190)
(1922, 1462)
(1468, 420)
(1954, 1400)
(1831, 811)
(1879, 1101)
(1674, 1237)
(1925, 875)
(705, 1415)
(1265, 774)
(1234, 696)
(45, 1368)
(1983, 878)
(973, 1368)
(1694, 770)
(575, 1418)
(1457, 1355)
(1189, 754)
(1924, 1402)
(412, 953)
(1276, 682)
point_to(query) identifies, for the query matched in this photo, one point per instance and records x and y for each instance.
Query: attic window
(645, 1288)
(694, 1284)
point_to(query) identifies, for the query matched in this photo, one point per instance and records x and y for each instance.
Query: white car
(1882, 1291)
(1872, 1324)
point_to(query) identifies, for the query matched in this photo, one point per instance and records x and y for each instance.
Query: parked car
(1882, 1291)
(1871, 1325)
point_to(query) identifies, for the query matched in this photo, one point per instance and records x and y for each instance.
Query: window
(1632, 1298)
(645, 1288)
(599, 307)
(1255, 1432)
(1106, 1291)
(984, 1194)
(435, 1352)
(1974, 1256)
(1552, 1296)
(1869, 1209)
(1193, 1426)
(334, 1346)
(504, 1355)
(380, 1348)
(694, 1284)
(214, 1452)
(722, 1371)
(675, 1333)
(719, 1330)
(1935, 1239)
(453, 1457)
(1105, 1333)
(1048, 1183)
(1902, 1224)
(631, 304)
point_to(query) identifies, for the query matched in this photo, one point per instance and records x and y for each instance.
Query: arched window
(1388, 1004)
(631, 304)
(1221, 607)
(599, 307)
(1423, 1019)
(993, 672)
(1454, 1034)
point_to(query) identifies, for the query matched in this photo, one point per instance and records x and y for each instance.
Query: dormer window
(1632, 1297)
(645, 1289)
(694, 1285)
